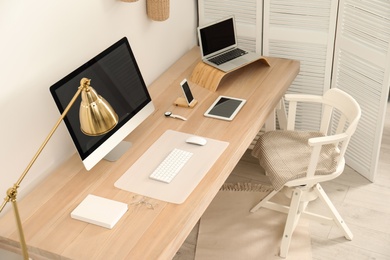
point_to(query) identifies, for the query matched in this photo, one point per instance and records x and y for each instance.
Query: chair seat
(285, 156)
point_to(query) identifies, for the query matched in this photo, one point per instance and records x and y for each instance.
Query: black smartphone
(187, 91)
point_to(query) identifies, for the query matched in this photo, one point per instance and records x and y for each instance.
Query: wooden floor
(365, 207)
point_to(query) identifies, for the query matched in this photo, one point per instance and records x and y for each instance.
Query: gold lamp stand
(97, 117)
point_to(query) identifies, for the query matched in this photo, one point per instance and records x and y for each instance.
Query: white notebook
(99, 211)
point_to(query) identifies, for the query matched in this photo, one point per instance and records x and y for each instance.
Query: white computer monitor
(115, 75)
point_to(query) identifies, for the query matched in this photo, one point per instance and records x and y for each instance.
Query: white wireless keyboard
(170, 167)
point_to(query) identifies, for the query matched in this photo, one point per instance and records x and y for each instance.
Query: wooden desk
(144, 233)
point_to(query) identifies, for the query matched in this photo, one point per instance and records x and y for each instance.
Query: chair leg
(263, 201)
(336, 216)
(293, 216)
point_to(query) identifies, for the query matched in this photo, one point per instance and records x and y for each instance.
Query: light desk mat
(136, 178)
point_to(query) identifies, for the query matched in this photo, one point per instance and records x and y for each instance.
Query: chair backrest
(341, 114)
(340, 117)
(333, 100)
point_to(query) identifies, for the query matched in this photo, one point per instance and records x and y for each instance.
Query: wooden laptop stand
(209, 77)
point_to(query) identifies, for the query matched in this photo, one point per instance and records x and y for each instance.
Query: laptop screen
(217, 36)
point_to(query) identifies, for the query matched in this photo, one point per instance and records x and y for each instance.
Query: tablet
(225, 108)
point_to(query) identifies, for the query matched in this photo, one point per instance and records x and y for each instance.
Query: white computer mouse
(196, 140)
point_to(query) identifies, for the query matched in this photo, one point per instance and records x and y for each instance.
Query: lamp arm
(17, 184)
(12, 192)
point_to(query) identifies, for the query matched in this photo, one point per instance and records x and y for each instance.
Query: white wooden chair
(296, 161)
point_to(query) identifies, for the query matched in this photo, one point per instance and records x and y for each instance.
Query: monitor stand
(118, 151)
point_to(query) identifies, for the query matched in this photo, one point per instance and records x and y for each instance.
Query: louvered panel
(361, 23)
(244, 10)
(303, 30)
(362, 68)
(308, 15)
(310, 79)
(313, 64)
(363, 80)
(308, 121)
(247, 43)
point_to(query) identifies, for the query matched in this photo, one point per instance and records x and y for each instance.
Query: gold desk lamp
(97, 117)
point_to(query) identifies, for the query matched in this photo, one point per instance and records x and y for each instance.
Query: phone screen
(187, 91)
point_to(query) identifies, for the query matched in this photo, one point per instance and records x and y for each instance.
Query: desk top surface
(145, 233)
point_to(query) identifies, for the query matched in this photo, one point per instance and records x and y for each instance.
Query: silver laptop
(218, 46)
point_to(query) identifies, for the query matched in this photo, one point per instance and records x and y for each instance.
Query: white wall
(41, 41)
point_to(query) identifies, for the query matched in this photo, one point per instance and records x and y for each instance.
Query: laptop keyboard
(220, 59)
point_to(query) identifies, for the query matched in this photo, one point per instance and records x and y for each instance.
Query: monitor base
(118, 151)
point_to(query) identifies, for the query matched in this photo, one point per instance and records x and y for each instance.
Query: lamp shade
(97, 117)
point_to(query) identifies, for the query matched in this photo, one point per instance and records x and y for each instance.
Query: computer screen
(217, 36)
(115, 75)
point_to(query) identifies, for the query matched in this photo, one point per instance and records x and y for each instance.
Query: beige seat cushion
(285, 156)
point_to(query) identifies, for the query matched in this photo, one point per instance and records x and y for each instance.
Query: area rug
(229, 231)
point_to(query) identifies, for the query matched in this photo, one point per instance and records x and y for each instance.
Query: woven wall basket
(158, 10)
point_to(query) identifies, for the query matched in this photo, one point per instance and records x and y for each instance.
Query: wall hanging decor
(157, 10)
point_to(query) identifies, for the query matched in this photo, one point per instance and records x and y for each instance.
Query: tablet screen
(225, 108)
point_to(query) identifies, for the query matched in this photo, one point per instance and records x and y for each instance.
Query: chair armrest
(303, 98)
(317, 143)
(327, 139)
